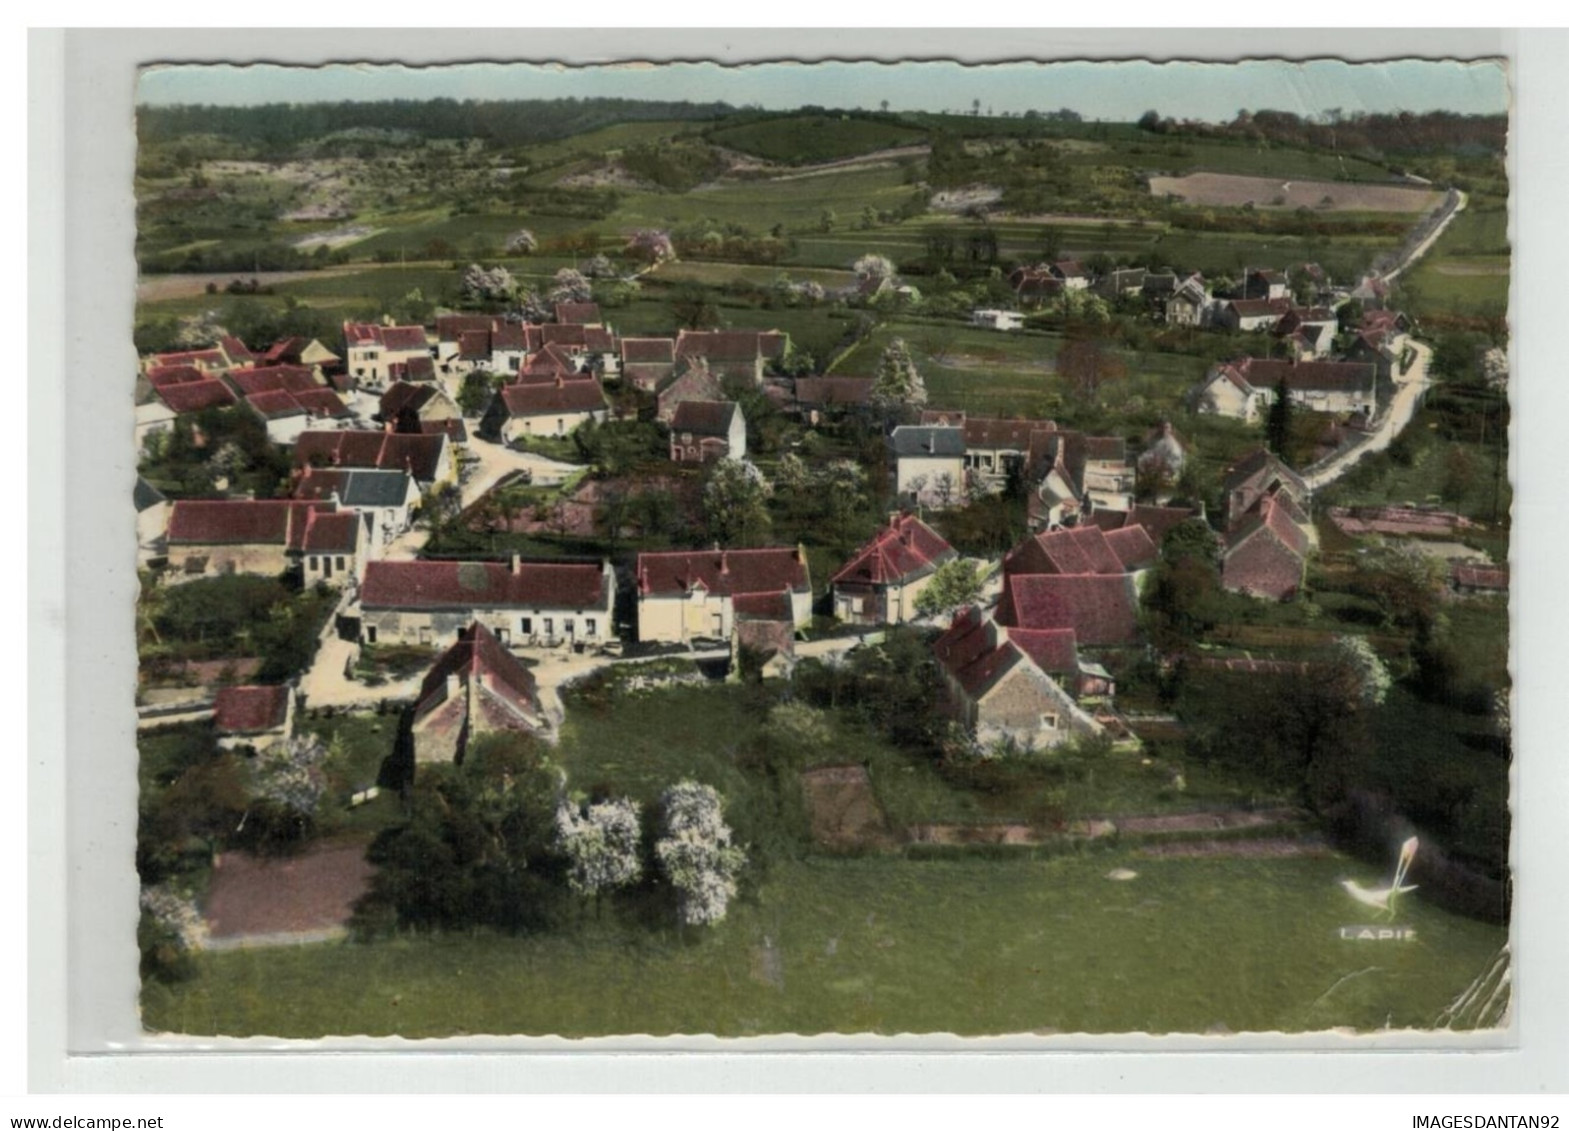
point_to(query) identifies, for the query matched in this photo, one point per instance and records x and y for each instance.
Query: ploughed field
(1228, 190)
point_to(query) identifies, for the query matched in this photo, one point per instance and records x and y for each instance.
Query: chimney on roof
(516, 564)
(724, 564)
(388, 427)
(893, 519)
(560, 380)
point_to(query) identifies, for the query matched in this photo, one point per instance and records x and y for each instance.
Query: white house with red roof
(526, 604)
(548, 408)
(374, 350)
(427, 457)
(1245, 387)
(476, 687)
(688, 595)
(880, 583)
(1003, 683)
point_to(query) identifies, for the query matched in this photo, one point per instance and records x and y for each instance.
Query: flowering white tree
(735, 500)
(651, 245)
(599, 267)
(873, 268)
(522, 242)
(175, 913)
(600, 842)
(898, 383)
(571, 286)
(696, 853)
(1372, 678)
(290, 775)
(494, 284)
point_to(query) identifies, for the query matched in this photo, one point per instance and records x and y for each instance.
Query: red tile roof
(273, 379)
(1054, 650)
(336, 533)
(974, 652)
(208, 358)
(545, 398)
(554, 334)
(479, 656)
(901, 551)
(250, 710)
(764, 606)
(394, 339)
(1100, 608)
(194, 396)
(271, 522)
(1308, 376)
(704, 418)
(1078, 549)
(722, 572)
(468, 585)
(579, 313)
(727, 345)
(816, 392)
(405, 395)
(1134, 546)
(648, 351)
(276, 405)
(235, 350)
(547, 364)
(160, 376)
(419, 455)
(1480, 576)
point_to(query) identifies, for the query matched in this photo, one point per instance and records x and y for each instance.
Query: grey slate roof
(357, 487)
(926, 440)
(146, 495)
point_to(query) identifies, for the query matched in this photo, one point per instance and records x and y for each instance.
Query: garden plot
(1227, 190)
(845, 812)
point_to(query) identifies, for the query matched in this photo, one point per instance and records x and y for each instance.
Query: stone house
(689, 595)
(263, 538)
(476, 687)
(999, 683)
(415, 407)
(733, 355)
(817, 398)
(705, 431)
(1101, 608)
(1265, 555)
(556, 408)
(525, 604)
(880, 583)
(1255, 475)
(647, 362)
(692, 381)
(427, 458)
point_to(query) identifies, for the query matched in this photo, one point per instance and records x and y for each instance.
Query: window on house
(315, 562)
(590, 627)
(339, 562)
(1049, 722)
(550, 626)
(561, 425)
(526, 626)
(370, 634)
(424, 634)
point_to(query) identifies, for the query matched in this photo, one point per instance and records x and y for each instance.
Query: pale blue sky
(1118, 91)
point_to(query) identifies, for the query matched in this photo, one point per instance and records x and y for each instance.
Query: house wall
(678, 619)
(563, 424)
(151, 525)
(1263, 567)
(1222, 398)
(914, 468)
(437, 736)
(371, 365)
(257, 560)
(1029, 705)
(518, 627)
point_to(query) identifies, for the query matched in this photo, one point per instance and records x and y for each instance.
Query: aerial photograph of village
(832, 549)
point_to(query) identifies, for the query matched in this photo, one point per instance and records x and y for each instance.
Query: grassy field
(1466, 272)
(881, 945)
(803, 139)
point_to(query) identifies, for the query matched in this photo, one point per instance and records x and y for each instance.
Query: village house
(880, 583)
(1160, 464)
(994, 448)
(208, 362)
(1071, 474)
(1244, 388)
(264, 538)
(1255, 475)
(306, 352)
(1000, 681)
(1157, 521)
(426, 457)
(1071, 274)
(1035, 286)
(690, 595)
(288, 399)
(1188, 303)
(421, 407)
(1472, 579)
(692, 381)
(1121, 282)
(1083, 549)
(1250, 315)
(591, 348)
(647, 362)
(739, 355)
(1265, 554)
(469, 342)
(186, 389)
(579, 314)
(252, 718)
(476, 687)
(818, 398)
(555, 408)
(1309, 332)
(929, 464)
(1100, 602)
(387, 499)
(1265, 284)
(526, 604)
(706, 431)
(373, 349)
(997, 319)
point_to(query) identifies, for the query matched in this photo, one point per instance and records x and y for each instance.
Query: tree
(1277, 426)
(694, 308)
(898, 386)
(1086, 365)
(735, 502)
(493, 285)
(287, 785)
(571, 286)
(696, 853)
(522, 242)
(873, 269)
(477, 391)
(1149, 121)
(601, 844)
(650, 246)
(955, 583)
(1363, 670)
